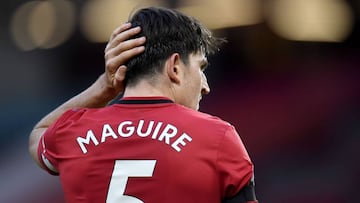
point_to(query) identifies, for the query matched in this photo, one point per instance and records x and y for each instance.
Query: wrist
(103, 91)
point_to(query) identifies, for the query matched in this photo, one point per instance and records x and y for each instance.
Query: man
(151, 146)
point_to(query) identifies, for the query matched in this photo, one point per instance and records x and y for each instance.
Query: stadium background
(288, 80)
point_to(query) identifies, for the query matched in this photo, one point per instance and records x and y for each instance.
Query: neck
(147, 89)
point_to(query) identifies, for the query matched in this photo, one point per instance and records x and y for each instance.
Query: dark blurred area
(295, 102)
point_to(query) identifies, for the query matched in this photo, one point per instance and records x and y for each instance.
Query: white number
(124, 169)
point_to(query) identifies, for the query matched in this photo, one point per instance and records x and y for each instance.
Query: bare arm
(104, 89)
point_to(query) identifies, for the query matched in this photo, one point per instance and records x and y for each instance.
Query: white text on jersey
(167, 134)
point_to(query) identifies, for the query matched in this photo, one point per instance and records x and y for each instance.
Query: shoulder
(205, 119)
(72, 114)
(76, 113)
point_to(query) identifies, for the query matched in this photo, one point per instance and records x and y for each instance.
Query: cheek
(195, 79)
(199, 76)
(203, 80)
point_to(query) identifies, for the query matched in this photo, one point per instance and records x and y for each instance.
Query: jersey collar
(144, 100)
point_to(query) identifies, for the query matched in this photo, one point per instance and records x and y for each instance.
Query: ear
(173, 69)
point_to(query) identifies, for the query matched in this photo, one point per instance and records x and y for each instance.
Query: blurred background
(288, 79)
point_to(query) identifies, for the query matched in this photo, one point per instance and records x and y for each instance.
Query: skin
(183, 83)
(195, 81)
(104, 89)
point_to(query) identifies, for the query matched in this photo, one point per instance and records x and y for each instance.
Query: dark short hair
(167, 31)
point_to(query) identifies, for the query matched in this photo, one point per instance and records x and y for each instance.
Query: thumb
(119, 78)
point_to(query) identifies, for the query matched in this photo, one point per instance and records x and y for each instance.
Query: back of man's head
(167, 31)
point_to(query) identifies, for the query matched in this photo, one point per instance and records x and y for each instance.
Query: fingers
(119, 77)
(120, 29)
(117, 60)
(121, 42)
(124, 46)
(121, 34)
(119, 50)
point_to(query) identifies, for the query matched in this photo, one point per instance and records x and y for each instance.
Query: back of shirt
(145, 151)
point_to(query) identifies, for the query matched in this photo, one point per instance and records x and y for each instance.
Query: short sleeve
(234, 164)
(47, 153)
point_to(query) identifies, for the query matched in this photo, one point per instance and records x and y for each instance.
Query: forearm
(95, 96)
(99, 94)
(119, 49)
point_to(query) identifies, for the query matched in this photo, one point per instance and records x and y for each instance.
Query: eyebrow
(204, 64)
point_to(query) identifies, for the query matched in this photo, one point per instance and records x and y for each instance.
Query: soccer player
(152, 146)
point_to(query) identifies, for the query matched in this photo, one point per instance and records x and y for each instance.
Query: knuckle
(107, 55)
(106, 50)
(110, 64)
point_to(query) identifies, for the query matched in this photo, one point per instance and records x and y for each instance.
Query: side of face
(193, 82)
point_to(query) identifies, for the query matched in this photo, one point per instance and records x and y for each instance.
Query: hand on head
(118, 51)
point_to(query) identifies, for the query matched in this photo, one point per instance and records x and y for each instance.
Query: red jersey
(147, 150)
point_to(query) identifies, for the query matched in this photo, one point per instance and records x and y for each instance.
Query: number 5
(124, 169)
